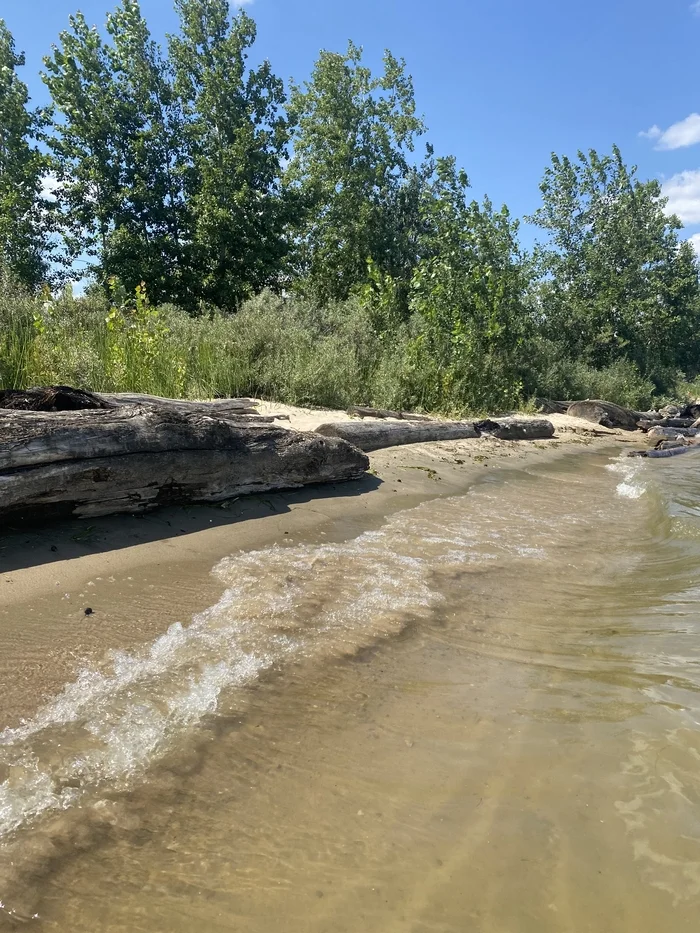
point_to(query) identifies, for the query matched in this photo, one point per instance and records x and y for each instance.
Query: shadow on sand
(35, 543)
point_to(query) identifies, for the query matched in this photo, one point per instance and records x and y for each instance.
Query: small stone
(88, 611)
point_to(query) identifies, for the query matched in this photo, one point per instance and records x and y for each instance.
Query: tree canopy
(24, 223)
(185, 172)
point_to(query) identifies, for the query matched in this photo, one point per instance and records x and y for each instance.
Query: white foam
(632, 485)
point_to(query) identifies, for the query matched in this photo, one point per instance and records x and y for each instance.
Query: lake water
(483, 716)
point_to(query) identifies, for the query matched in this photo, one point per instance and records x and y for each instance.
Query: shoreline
(139, 575)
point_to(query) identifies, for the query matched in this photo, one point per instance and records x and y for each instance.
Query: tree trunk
(131, 459)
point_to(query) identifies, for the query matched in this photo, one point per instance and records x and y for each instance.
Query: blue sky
(501, 83)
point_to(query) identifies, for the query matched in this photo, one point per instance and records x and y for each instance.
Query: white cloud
(654, 131)
(694, 241)
(49, 185)
(684, 133)
(683, 193)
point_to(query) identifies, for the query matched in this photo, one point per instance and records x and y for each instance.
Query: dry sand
(138, 575)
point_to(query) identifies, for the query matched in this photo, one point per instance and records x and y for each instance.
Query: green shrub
(291, 350)
(620, 382)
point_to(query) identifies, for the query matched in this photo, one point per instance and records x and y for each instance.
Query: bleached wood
(132, 458)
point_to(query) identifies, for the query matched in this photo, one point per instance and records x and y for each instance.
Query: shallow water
(482, 716)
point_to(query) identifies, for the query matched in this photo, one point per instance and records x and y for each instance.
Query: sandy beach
(138, 575)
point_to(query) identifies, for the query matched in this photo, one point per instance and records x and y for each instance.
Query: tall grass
(289, 350)
(286, 350)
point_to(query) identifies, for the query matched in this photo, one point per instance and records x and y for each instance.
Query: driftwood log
(51, 398)
(646, 425)
(605, 413)
(373, 435)
(516, 429)
(368, 435)
(134, 458)
(387, 413)
(66, 398)
(667, 452)
(659, 433)
(220, 408)
(548, 406)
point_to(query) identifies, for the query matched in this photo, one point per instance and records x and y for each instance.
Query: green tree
(352, 173)
(235, 140)
(150, 242)
(616, 282)
(116, 152)
(468, 299)
(24, 227)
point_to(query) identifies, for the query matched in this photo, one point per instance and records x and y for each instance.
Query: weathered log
(387, 413)
(673, 452)
(220, 408)
(373, 435)
(691, 410)
(132, 458)
(548, 406)
(647, 425)
(605, 413)
(659, 433)
(66, 398)
(50, 398)
(516, 429)
(671, 443)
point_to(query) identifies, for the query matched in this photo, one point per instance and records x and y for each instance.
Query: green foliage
(287, 350)
(196, 193)
(169, 168)
(235, 138)
(552, 376)
(24, 221)
(468, 300)
(616, 284)
(114, 147)
(351, 173)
